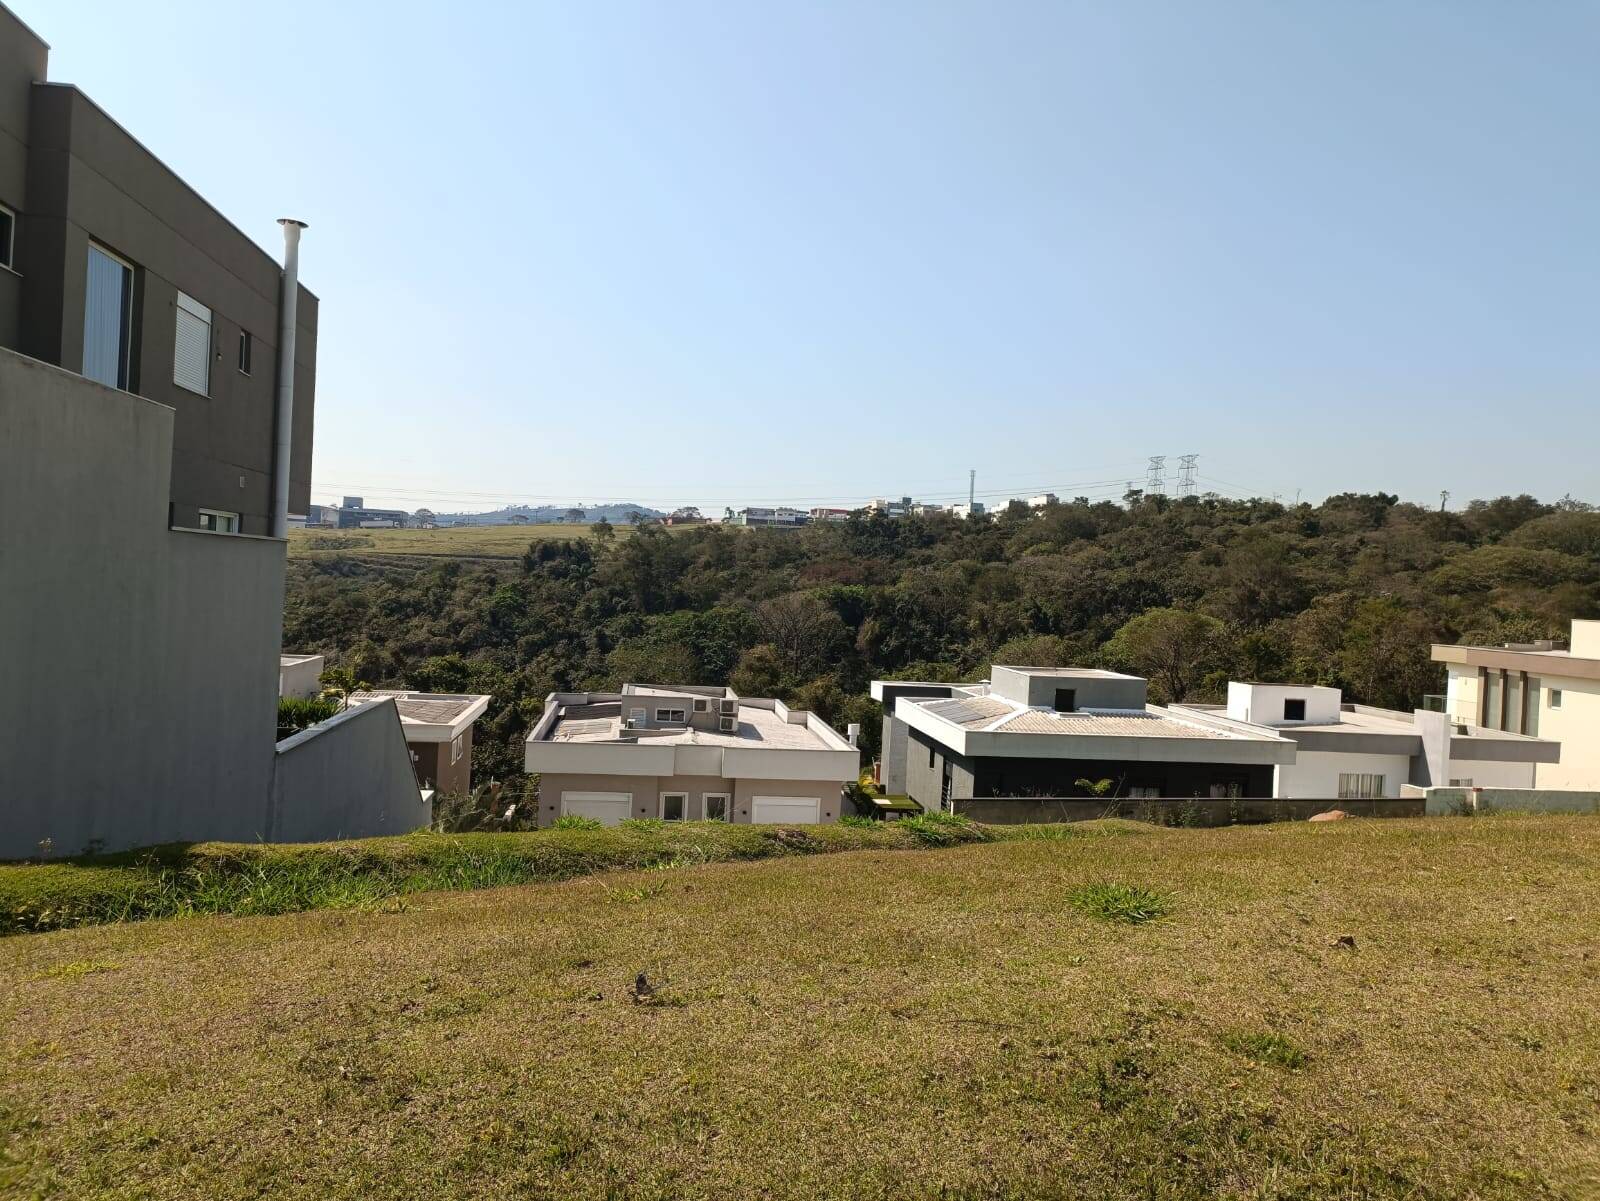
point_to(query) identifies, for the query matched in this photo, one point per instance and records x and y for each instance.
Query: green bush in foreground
(571, 821)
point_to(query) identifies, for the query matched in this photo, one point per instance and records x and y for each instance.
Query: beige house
(438, 730)
(686, 754)
(1536, 689)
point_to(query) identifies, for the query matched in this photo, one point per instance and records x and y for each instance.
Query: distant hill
(617, 514)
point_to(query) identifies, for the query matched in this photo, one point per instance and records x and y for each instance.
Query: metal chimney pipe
(287, 305)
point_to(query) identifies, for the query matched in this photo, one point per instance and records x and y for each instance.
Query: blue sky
(727, 253)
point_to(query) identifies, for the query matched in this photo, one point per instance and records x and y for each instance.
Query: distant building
(686, 753)
(964, 510)
(357, 517)
(926, 509)
(890, 508)
(1539, 689)
(438, 731)
(830, 515)
(300, 676)
(781, 518)
(1043, 500)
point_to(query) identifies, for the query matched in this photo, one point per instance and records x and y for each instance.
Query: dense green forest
(1189, 592)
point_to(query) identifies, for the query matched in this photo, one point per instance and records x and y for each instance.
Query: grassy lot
(461, 542)
(187, 879)
(1361, 1009)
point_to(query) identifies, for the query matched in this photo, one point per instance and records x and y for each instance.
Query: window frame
(683, 800)
(727, 806)
(211, 529)
(457, 749)
(125, 326)
(8, 245)
(1363, 784)
(1555, 698)
(210, 319)
(666, 716)
(247, 346)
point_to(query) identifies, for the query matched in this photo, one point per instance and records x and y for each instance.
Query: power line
(1186, 469)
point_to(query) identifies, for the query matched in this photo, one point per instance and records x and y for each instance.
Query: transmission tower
(1154, 485)
(1186, 470)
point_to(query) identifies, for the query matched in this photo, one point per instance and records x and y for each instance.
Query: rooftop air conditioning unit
(728, 706)
(727, 725)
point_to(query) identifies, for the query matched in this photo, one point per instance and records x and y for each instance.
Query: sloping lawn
(1404, 1009)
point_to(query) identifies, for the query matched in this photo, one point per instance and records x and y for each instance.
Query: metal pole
(286, 330)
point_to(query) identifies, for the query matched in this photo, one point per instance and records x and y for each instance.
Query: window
(716, 807)
(673, 717)
(702, 706)
(1066, 700)
(1142, 793)
(246, 347)
(672, 806)
(1463, 783)
(1555, 698)
(456, 750)
(8, 236)
(219, 523)
(930, 756)
(1294, 710)
(1359, 786)
(107, 319)
(1226, 789)
(191, 353)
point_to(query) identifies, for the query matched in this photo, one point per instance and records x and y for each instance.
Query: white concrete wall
(1586, 639)
(647, 792)
(1263, 703)
(347, 777)
(1314, 775)
(1461, 694)
(1486, 773)
(1576, 726)
(301, 679)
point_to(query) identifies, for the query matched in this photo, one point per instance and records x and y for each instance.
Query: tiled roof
(432, 708)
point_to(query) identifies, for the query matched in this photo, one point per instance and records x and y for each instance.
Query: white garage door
(795, 809)
(606, 807)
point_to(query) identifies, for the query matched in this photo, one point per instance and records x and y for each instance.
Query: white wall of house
(1487, 773)
(1263, 703)
(1576, 726)
(1314, 775)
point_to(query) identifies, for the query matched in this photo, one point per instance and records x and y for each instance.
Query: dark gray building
(114, 268)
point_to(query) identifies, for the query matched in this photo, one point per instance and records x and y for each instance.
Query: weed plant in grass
(1119, 903)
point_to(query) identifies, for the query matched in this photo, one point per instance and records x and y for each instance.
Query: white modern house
(687, 753)
(1538, 689)
(1358, 752)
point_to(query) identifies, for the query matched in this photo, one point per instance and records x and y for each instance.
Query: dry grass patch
(869, 1025)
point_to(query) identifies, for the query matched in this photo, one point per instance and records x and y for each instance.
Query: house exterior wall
(73, 176)
(434, 769)
(1315, 774)
(347, 777)
(1092, 692)
(175, 632)
(1575, 725)
(302, 680)
(647, 792)
(1263, 703)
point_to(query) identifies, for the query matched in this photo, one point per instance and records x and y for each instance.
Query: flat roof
(997, 715)
(441, 710)
(1561, 663)
(758, 727)
(1082, 673)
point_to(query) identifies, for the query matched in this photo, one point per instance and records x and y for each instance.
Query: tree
(423, 516)
(1173, 648)
(338, 683)
(575, 516)
(806, 634)
(602, 530)
(636, 518)
(760, 672)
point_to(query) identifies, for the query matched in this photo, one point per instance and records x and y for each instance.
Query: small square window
(246, 349)
(1555, 698)
(1294, 710)
(1066, 700)
(8, 236)
(716, 807)
(672, 806)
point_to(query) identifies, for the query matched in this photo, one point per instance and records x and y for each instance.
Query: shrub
(571, 821)
(858, 821)
(940, 829)
(299, 713)
(641, 823)
(1125, 903)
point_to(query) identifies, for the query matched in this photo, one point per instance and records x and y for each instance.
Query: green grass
(1126, 903)
(457, 542)
(252, 880)
(870, 1025)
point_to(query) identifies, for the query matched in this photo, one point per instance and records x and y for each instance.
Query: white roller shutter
(795, 810)
(191, 358)
(608, 808)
